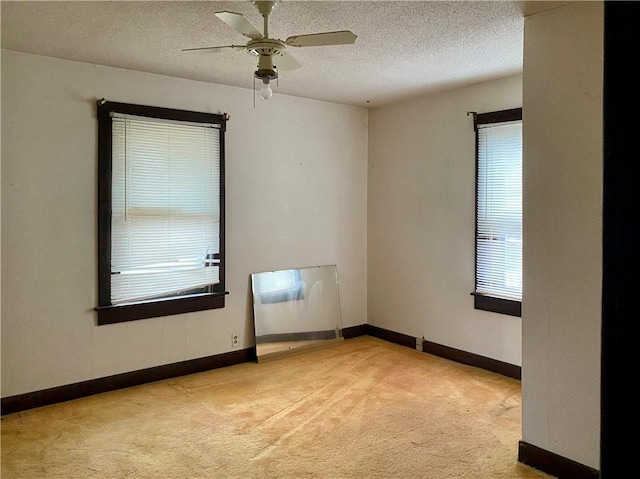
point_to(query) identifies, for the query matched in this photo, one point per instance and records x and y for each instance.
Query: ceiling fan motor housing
(266, 49)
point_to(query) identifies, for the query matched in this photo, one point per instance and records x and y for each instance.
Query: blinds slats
(165, 208)
(274, 281)
(499, 210)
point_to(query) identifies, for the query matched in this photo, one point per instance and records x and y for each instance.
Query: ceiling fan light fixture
(266, 72)
(266, 92)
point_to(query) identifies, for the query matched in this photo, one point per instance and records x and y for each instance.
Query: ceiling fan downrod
(265, 9)
(266, 71)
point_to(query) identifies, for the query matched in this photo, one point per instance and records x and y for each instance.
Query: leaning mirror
(295, 310)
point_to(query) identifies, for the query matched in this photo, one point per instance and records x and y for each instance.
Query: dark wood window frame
(107, 312)
(482, 301)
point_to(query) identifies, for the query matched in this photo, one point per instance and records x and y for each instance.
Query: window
(498, 285)
(279, 286)
(160, 211)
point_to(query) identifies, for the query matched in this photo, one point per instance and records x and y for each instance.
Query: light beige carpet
(364, 408)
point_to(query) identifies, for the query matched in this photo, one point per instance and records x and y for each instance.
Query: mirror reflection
(295, 309)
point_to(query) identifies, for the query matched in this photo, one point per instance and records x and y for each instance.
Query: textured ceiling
(403, 48)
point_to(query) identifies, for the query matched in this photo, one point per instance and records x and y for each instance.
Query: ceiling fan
(272, 53)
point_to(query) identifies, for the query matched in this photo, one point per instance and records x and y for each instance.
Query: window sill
(165, 307)
(497, 305)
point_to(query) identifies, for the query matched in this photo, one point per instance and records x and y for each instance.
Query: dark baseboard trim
(470, 359)
(528, 454)
(46, 397)
(354, 331)
(457, 355)
(553, 464)
(391, 336)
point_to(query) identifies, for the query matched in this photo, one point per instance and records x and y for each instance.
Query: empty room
(332, 239)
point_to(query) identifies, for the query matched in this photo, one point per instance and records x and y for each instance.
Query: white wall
(296, 196)
(421, 220)
(563, 67)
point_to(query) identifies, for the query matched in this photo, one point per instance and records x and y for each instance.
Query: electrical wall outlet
(235, 340)
(419, 344)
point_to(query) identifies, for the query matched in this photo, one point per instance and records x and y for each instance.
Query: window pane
(273, 281)
(165, 224)
(499, 213)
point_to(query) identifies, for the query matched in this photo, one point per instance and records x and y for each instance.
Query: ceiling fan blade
(213, 49)
(286, 62)
(343, 37)
(239, 22)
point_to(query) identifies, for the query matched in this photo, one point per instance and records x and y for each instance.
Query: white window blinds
(499, 210)
(274, 281)
(165, 224)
